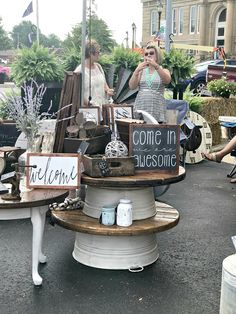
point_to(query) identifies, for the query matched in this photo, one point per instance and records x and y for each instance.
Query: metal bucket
(228, 286)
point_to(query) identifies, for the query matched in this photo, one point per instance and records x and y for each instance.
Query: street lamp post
(159, 10)
(127, 40)
(133, 35)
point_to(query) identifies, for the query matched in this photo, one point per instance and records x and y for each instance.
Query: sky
(59, 17)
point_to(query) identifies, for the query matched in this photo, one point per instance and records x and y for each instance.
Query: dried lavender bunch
(26, 111)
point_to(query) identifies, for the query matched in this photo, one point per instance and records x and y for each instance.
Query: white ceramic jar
(124, 213)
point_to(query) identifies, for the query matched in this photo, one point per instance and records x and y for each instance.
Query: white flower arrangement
(25, 111)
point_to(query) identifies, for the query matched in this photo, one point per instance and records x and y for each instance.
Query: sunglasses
(150, 53)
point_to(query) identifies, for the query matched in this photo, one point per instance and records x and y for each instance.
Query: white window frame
(174, 21)
(181, 21)
(154, 20)
(198, 19)
(193, 19)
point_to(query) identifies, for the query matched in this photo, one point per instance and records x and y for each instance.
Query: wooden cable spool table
(33, 204)
(115, 247)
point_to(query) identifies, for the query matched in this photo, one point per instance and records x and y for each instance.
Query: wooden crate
(118, 166)
(97, 144)
(123, 129)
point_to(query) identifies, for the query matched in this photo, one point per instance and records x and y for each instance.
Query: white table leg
(38, 220)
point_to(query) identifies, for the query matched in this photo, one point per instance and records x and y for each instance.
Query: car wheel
(199, 86)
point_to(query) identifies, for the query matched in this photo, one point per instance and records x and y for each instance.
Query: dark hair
(91, 47)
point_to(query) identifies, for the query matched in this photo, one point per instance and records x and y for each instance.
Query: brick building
(196, 22)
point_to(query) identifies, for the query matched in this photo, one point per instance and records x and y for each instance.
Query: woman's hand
(110, 92)
(135, 78)
(140, 67)
(153, 63)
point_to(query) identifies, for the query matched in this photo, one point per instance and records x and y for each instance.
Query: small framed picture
(120, 112)
(91, 113)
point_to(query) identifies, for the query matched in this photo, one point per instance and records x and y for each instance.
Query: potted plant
(43, 66)
(4, 73)
(181, 67)
(26, 112)
(222, 88)
(8, 131)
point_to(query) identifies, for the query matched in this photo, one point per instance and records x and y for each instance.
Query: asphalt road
(185, 279)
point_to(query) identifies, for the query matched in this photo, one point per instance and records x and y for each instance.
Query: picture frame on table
(114, 112)
(92, 113)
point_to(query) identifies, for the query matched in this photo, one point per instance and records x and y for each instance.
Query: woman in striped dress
(151, 78)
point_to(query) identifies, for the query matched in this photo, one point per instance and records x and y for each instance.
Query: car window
(231, 62)
(203, 65)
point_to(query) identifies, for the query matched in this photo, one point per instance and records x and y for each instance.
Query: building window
(181, 20)
(174, 21)
(154, 22)
(198, 19)
(222, 17)
(220, 29)
(193, 19)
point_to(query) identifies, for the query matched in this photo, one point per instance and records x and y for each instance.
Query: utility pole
(168, 24)
(133, 35)
(127, 40)
(159, 10)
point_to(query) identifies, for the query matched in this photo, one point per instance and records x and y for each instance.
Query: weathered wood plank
(65, 100)
(139, 179)
(77, 221)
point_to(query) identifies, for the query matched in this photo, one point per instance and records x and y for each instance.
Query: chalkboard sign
(8, 134)
(59, 171)
(155, 147)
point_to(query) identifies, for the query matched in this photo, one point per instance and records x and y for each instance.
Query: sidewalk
(185, 279)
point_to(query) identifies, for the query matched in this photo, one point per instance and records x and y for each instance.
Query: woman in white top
(95, 85)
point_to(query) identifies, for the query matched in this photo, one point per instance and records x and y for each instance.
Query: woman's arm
(164, 74)
(135, 78)
(108, 90)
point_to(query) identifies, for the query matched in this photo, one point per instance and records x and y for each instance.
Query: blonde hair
(153, 45)
(91, 47)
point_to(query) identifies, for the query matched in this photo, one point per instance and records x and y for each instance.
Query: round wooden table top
(139, 179)
(166, 218)
(34, 198)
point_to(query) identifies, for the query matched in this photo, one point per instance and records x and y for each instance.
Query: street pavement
(185, 279)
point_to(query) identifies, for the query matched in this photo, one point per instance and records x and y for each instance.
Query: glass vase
(22, 160)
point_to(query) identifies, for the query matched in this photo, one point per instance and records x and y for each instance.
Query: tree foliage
(96, 29)
(53, 41)
(5, 41)
(25, 34)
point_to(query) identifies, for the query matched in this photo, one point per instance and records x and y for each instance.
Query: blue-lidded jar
(108, 215)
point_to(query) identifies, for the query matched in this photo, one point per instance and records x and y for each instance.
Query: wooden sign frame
(53, 171)
(156, 147)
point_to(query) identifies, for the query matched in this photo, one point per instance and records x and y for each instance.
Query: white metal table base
(115, 252)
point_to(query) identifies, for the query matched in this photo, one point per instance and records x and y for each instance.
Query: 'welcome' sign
(155, 147)
(58, 171)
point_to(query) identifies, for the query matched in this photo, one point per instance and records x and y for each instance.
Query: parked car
(198, 80)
